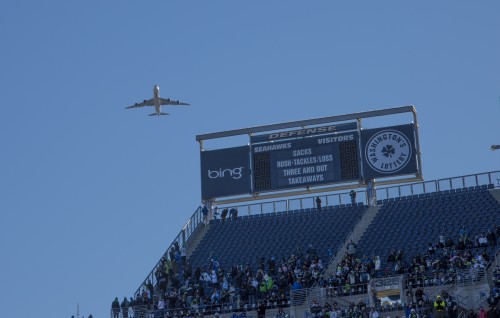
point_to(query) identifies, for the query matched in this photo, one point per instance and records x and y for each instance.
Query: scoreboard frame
(302, 136)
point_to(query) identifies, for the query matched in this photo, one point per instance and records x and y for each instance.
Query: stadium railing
(466, 181)
(306, 296)
(239, 310)
(344, 199)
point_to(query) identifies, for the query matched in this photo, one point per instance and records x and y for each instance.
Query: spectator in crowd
(496, 230)
(482, 313)
(224, 214)
(251, 292)
(491, 237)
(296, 285)
(115, 307)
(440, 307)
(204, 211)
(449, 243)
(377, 263)
(431, 249)
(215, 212)
(315, 308)
(494, 312)
(281, 313)
(493, 297)
(351, 248)
(441, 241)
(413, 313)
(233, 213)
(463, 233)
(183, 254)
(213, 279)
(124, 307)
(483, 241)
(352, 194)
(161, 307)
(318, 203)
(261, 310)
(452, 308)
(271, 263)
(214, 299)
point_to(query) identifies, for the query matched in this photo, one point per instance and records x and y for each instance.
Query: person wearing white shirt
(483, 241)
(161, 304)
(373, 313)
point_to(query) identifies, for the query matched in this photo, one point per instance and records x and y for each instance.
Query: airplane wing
(144, 103)
(168, 101)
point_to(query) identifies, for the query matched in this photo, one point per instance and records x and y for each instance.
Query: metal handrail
(460, 277)
(439, 185)
(497, 261)
(390, 192)
(320, 294)
(471, 276)
(235, 307)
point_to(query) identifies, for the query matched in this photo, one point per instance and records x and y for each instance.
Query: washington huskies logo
(388, 151)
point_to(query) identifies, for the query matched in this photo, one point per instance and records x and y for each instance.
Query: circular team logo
(388, 151)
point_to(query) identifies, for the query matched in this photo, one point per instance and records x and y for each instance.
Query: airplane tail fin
(156, 114)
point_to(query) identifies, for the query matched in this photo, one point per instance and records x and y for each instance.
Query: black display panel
(305, 162)
(389, 151)
(225, 172)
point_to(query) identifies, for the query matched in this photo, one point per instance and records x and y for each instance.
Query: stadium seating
(407, 223)
(414, 221)
(246, 239)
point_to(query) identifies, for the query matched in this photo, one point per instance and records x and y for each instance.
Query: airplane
(157, 102)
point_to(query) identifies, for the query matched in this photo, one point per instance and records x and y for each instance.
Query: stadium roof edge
(299, 123)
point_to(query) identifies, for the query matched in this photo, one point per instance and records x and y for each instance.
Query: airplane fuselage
(156, 99)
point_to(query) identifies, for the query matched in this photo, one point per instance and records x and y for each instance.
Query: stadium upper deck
(403, 222)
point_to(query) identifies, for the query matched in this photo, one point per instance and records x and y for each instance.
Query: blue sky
(92, 194)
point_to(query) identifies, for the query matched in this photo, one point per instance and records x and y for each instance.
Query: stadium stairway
(496, 194)
(195, 239)
(355, 236)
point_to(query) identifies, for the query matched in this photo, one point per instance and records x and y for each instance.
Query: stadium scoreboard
(310, 157)
(303, 162)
